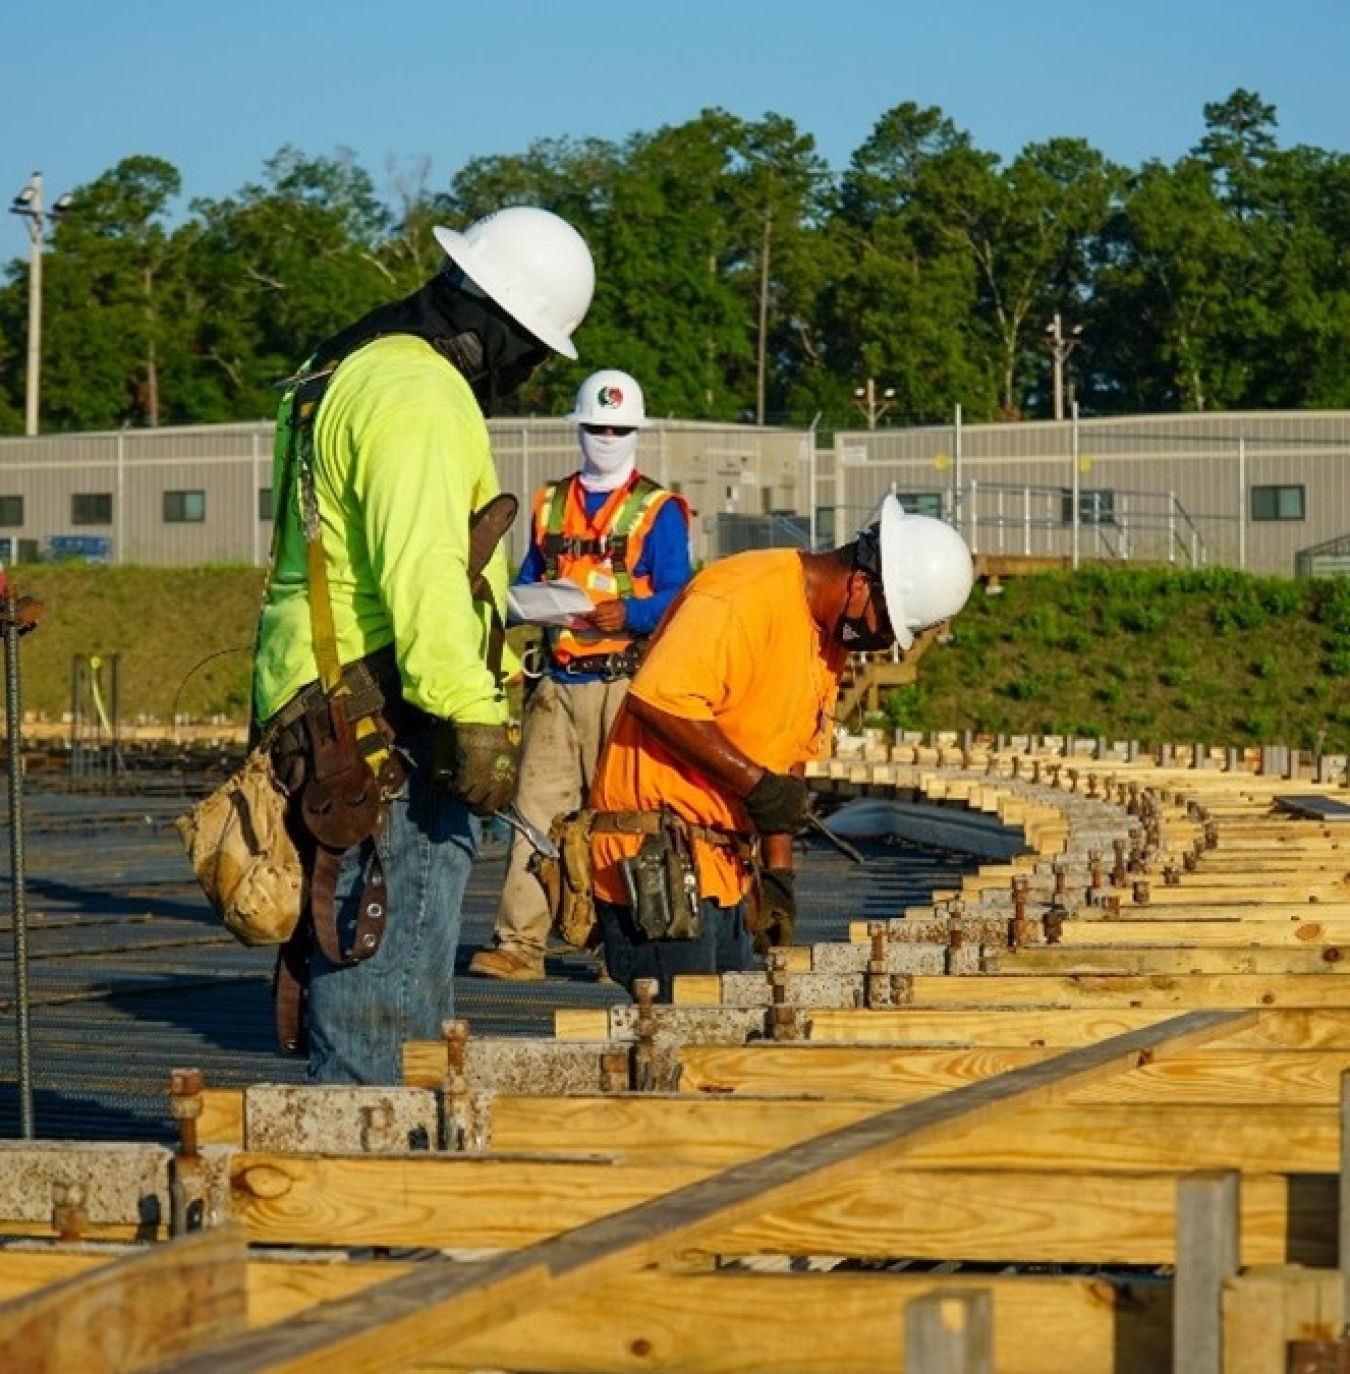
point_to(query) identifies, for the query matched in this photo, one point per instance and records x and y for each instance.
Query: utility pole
(28, 204)
(1060, 348)
(865, 398)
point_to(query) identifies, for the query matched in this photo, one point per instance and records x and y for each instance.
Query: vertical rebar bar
(13, 720)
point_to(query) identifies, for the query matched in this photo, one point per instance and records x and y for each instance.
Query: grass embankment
(1216, 657)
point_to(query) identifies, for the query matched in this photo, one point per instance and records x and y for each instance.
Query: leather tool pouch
(340, 803)
(566, 879)
(662, 882)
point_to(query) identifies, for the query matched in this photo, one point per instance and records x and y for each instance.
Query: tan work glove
(478, 764)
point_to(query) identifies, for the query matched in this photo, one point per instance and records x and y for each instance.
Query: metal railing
(1115, 525)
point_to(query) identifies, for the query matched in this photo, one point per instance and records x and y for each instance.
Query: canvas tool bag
(243, 855)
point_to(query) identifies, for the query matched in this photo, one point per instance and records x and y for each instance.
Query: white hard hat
(609, 397)
(926, 569)
(533, 264)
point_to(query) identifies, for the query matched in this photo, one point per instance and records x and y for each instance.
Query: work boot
(505, 962)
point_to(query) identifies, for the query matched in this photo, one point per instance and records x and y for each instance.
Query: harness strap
(641, 495)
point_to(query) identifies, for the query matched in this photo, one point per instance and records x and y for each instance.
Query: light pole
(865, 398)
(28, 204)
(1061, 345)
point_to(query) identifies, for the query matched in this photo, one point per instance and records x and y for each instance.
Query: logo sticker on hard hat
(609, 396)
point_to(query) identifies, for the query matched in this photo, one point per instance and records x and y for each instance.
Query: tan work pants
(564, 728)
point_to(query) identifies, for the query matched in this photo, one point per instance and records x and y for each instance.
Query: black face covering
(856, 635)
(494, 354)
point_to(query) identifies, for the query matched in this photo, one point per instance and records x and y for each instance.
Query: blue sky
(216, 90)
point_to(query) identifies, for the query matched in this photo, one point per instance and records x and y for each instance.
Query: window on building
(11, 510)
(264, 503)
(1277, 503)
(184, 507)
(921, 502)
(91, 508)
(1095, 507)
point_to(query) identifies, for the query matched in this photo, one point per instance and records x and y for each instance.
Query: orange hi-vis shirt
(738, 647)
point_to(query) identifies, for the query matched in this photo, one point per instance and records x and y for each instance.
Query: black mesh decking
(129, 976)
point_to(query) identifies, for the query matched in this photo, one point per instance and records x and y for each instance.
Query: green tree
(903, 305)
(1162, 292)
(1034, 240)
(114, 331)
(671, 305)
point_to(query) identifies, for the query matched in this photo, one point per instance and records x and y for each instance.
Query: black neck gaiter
(494, 354)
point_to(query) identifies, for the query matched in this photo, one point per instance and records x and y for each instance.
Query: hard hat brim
(893, 586)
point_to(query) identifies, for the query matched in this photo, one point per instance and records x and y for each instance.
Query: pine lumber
(407, 1319)
(161, 1304)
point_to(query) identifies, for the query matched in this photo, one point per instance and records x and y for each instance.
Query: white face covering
(608, 460)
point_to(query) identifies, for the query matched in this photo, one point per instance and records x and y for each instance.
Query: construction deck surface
(130, 977)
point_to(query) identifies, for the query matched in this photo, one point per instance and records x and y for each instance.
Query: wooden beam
(1172, 961)
(878, 1073)
(834, 1323)
(1310, 1028)
(717, 1132)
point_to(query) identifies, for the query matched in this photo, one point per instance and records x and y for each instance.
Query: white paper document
(547, 603)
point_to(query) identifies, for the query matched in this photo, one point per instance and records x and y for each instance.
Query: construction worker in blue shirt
(624, 540)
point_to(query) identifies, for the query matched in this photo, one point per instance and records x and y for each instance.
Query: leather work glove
(478, 764)
(778, 803)
(775, 920)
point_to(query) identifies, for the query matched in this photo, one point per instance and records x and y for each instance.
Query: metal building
(1267, 492)
(203, 494)
(1261, 491)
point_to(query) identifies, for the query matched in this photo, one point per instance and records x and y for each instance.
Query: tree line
(739, 278)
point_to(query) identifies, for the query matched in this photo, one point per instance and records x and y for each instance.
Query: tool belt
(611, 667)
(651, 823)
(369, 683)
(566, 876)
(338, 758)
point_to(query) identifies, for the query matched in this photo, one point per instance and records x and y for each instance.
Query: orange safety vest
(598, 554)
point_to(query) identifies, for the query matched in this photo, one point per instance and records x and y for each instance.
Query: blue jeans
(359, 1015)
(723, 946)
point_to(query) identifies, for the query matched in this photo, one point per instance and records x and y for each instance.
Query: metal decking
(129, 976)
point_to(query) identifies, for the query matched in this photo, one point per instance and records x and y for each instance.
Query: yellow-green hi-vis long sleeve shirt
(401, 460)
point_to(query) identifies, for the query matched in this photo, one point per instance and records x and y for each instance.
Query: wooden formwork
(1084, 1113)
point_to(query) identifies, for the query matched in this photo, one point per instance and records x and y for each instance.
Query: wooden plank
(1060, 1215)
(1172, 961)
(162, 1304)
(718, 1132)
(410, 1318)
(799, 1323)
(1143, 991)
(833, 1323)
(1056, 1027)
(875, 1073)
(1264, 1308)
